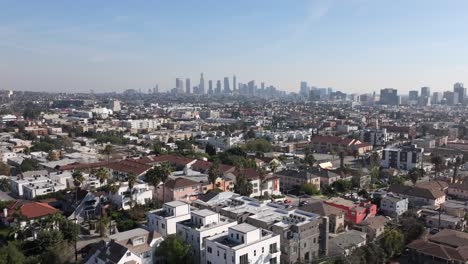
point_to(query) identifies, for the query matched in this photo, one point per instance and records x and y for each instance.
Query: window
(255, 253)
(163, 226)
(273, 248)
(210, 250)
(244, 259)
(208, 262)
(128, 254)
(217, 253)
(263, 250)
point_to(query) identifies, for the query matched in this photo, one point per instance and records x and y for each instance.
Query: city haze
(354, 46)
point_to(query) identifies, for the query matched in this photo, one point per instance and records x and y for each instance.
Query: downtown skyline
(352, 46)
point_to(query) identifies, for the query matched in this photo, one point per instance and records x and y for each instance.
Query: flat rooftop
(244, 228)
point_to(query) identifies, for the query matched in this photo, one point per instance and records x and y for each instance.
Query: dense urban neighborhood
(240, 174)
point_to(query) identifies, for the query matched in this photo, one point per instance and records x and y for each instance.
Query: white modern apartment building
(30, 187)
(142, 124)
(202, 224)
(394, 206)
(140, 194)
(403, 157)
(164, 220)
(243, 244)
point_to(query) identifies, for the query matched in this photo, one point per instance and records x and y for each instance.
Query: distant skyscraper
(179, 85)
(218, 87)
(460, 91)
(201, 87)
(187, 85)
(262, 85)
(413, 95)
(389, 96)
(251, 87)
(425, 91)
(210, 87)
(234, 83)
(305, 90)
(226, 85)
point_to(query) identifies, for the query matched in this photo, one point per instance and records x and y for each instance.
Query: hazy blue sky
(353, 45)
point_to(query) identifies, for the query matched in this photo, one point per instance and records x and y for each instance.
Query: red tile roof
(180, 183)
(128, 166)
(30, 209)
(172, 159)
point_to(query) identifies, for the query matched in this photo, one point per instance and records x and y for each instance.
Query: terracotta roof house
(334, 214)
(422, 194)
(179, 189)
(447, 246)
(121, 169)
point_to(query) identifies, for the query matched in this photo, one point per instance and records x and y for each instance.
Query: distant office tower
(436, 98)
(218, 87)
(201, 87)
(251, 87)
(234, 83)
(389, 96)
(210, 87)
(262, 85)
(187, 85)
(413, 95)
(451, 98)
(460, 91)
(156, 89)
(226, 85)
(305, 90)
(425, 91)
(179, 85)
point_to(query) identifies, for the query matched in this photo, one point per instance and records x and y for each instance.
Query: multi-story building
(292, 225)
(389, 96)
(243, 244)
(376, 137)
(403, 158)
(201, 225)
(142, 124)
(30, 187)
(293, 179)
(164, 220)
(393, 206)
(355, 212)
(141, 193)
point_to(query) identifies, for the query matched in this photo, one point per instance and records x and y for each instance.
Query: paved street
(5, 196)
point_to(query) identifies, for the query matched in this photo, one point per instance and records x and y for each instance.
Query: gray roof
(175, 203)
(244, 228)
(129, 234)
(349, 239)
(203, 212)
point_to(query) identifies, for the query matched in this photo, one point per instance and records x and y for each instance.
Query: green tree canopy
(174, 250)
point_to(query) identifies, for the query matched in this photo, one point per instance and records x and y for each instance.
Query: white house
(164, 220)
(202, 224)
(243, 244)
(140, 194)
(132, 246)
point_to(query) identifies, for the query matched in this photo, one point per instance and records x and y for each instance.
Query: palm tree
(113, 189)
(164, 171)
(152, 177)
(107, 151)
(437, 161)
(78, 179)
(456, 166)
(102, 224)
(262, 175)
(102, 174)
(131, 178)
(213, 173)
(274, 167)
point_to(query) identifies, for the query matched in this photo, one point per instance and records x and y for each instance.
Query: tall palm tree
(456, 166)
(164, 171)
(437, 162)
(107, 151)
(152, 177)
(78, 179)
(262, 178)
(131, 178)
(213, 173)
(102, 174)
(113, 189)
